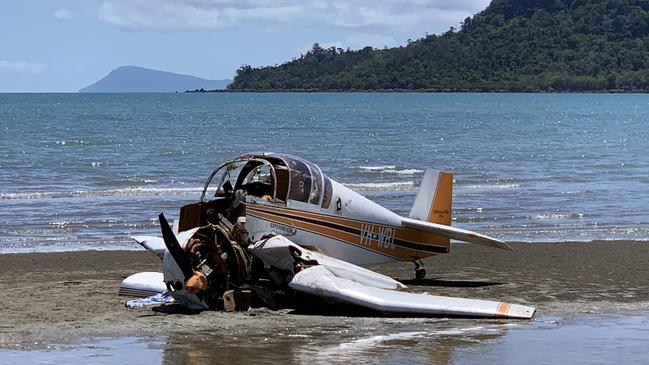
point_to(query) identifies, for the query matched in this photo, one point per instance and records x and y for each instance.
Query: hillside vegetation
(512, 45)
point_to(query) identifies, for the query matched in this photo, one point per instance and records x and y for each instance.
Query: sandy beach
(60, 297)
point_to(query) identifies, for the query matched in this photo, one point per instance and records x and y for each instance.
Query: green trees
(513, 45)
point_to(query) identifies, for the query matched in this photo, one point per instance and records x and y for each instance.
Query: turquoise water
(87, 170)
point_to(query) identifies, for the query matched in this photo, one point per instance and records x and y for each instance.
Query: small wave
(378, 341)
(489, 186)
(555, 217)
(71, 142)
(395, 185)
(99, 193)
(142, 180)
(377, 168)
(64, 224)
(389, 169)
(470, 219)
(404, 171)
(375, 341)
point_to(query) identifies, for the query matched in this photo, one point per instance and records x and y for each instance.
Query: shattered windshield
(223, 181)
(260, 174)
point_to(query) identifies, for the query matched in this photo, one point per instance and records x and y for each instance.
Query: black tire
(420, 273)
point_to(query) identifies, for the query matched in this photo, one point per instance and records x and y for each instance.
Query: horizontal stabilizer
(319, 281)
(455, 233)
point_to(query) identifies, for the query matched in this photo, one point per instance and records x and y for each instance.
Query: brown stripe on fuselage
(401, 233)
(323, 231)
(407, 243)
(409, 235)
(424, 241)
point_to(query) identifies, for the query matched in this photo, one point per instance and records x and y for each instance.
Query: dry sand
(59, 297)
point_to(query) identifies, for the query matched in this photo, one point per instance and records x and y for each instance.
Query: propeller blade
(174, 248)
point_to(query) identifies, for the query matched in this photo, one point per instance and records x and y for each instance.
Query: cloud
(21, 66)
(63, 14)
(396, 15)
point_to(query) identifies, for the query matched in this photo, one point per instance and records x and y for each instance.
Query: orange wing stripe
(503, 309)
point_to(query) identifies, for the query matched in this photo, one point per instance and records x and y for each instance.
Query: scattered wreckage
(232, 252)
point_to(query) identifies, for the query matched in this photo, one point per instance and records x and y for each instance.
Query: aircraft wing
(319, 281)
(455, 233)
(156, 245)
(326, 277)
(151, 243)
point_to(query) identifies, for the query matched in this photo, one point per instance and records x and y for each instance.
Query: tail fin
(434, 199)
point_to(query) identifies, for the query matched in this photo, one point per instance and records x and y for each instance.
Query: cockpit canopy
(277, 178)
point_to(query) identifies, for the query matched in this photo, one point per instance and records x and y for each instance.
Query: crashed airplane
(272, 228)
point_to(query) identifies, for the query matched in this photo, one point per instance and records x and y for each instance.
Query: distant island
(133, 79)
(512, 45)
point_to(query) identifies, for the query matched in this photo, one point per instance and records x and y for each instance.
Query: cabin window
(316, 184)
(328, 192)
(259, 182)
(281, 173)
(300, 188)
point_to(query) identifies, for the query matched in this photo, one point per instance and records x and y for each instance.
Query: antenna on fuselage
(337, 154)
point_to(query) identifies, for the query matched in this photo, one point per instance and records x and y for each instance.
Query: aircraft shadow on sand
(449, 283)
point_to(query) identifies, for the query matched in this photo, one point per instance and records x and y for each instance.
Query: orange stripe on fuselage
(397, 254)
(407, 234)
(292, 217)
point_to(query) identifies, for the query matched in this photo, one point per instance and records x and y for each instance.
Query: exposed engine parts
(219, 262)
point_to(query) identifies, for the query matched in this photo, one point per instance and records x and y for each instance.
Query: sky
(65, 45)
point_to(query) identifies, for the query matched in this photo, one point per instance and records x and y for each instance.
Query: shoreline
(65, 296)
(137, 248)
(419, 91)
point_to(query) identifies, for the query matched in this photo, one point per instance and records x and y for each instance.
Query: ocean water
(85, 171)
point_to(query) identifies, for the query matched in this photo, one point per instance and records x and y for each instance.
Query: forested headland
(512, 45)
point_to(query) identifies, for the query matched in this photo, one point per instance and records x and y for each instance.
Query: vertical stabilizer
(434, 199)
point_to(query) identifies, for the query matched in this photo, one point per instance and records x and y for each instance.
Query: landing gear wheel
(420, 272)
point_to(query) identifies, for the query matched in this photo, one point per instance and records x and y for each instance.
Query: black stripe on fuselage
(340, 227)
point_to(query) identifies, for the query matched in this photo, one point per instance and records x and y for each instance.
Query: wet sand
(60, 297)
